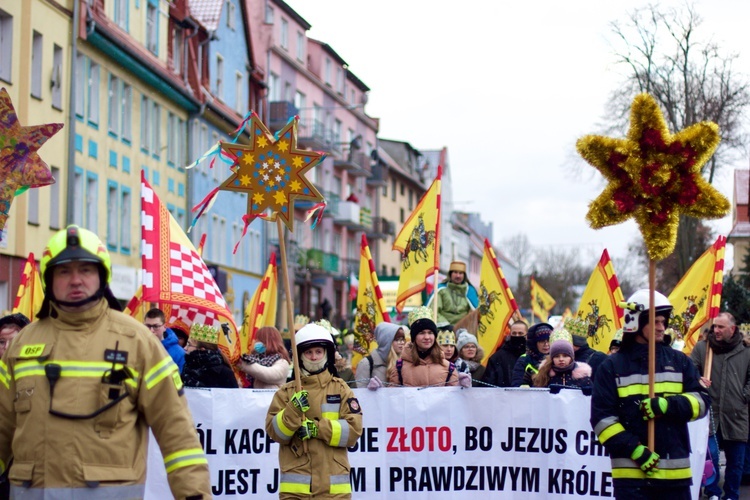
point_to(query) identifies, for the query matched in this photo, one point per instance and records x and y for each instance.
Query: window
(300, 101)
(152, 27)
(54, 200)
(327, 74)
(230, 15)
(33, 203)
(269, 13)
(177, 49)
(91, 202)
(112, 215)
(127, 112)
(120, 14)
(57, 60)
(239, 92)
(6, 45)
(273, 87)
(403, 189)
(171, 139)
(114, 104)
(181, 138)
(351, 97)
(219, 77)
(223, 240)
(384, 270)
(93, 94)
(339, 80)
(337, 132)
(214, 239)
(214, 140)
(287, 92)
(393, 188)
(284, 33)
(300, 46)
(125, 209)
(145, 124)
(204, 145)
(37, 45)
(80, 85)
(402, 215)
(78, 197)
(156, 130)
(411, 200)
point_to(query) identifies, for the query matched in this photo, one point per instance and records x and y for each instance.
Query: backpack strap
(451, 369)
(369, 360)
(399, 364)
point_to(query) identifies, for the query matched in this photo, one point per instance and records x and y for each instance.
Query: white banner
(444, 442)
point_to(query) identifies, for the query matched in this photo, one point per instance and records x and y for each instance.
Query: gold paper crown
(204, 333)
(560, 334)
(577, 327)
(446, 337)
(300, 320)
(744, 328)
(328, 326)
(420, 312)
(618, 335)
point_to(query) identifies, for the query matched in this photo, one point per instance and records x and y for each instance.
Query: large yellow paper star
(274, 167)
(654, 176)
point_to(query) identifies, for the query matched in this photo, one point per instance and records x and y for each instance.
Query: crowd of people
(141, 370)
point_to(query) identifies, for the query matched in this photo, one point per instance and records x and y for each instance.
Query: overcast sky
(508, 87)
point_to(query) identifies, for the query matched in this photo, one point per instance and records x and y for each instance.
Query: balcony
(280, 113)
(347, 213)
(311, 259)
(313, 134)
(355, 163)
(381, 228)
(331, 263)
(378, 176)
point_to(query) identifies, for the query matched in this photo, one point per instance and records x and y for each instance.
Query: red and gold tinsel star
(20, 164)
(654, 176)
(271, 170)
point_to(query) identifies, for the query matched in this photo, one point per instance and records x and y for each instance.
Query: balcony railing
(378, 175)
(280, 112)
(313, 134)
(354, 162)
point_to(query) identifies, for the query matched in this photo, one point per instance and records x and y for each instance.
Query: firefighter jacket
(621, 383)
(100, 356)
(322, 472)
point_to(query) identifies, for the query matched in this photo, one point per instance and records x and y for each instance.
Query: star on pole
(653, 176)
(20, 164)
(279, 154)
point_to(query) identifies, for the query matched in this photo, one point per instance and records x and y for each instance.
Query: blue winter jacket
(173, 348)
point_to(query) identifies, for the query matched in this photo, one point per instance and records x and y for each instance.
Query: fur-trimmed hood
(580, 369)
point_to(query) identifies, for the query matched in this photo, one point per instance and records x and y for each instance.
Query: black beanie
(422, 324)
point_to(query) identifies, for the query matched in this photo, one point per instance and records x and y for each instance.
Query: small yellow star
(280, 198)
(297, 162)
(248, 159)
(271, 183)
(245, 180)
(258, 198)
(295, 185)
(282, 146)
(262, 142)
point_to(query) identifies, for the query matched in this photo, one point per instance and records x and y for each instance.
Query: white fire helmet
(636, 311)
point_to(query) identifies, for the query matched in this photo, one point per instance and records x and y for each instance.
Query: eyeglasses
(154, 327)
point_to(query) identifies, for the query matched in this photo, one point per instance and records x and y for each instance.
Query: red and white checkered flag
(174, 273)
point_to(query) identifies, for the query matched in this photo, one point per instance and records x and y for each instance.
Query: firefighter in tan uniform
(325, 414)
(80, 387)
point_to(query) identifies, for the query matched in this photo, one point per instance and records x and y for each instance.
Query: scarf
(262, 359)
(473, 365)
(723, 347)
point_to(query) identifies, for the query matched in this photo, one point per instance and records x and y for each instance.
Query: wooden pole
(289, 306)
(435, 296)
(651, 347)
(709, 356)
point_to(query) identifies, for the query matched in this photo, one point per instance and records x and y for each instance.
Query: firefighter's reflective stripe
(4, 376)
(282, 431)
(330, 411)
(295, 483)
(339, 433)
(608, 427)
(340, 484)
(183, 458)
(97, 493)
(697, 404)
(637, 384)
(160, 371)
(678, 468)
(72, 369)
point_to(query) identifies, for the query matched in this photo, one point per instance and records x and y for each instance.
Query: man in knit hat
(456, 296)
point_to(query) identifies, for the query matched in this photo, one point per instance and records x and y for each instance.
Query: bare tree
(518, 248)
(560, 272)
(692, 79)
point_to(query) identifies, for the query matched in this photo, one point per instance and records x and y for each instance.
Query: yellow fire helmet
(75, 244)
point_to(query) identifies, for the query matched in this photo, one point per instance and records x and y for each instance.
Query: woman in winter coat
(471, 352)
(422, 363)
(373, 368)
(205, 365)
(560, 368)
(537, 347)
(267, 366)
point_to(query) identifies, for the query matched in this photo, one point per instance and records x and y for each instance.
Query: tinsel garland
(654, 176)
